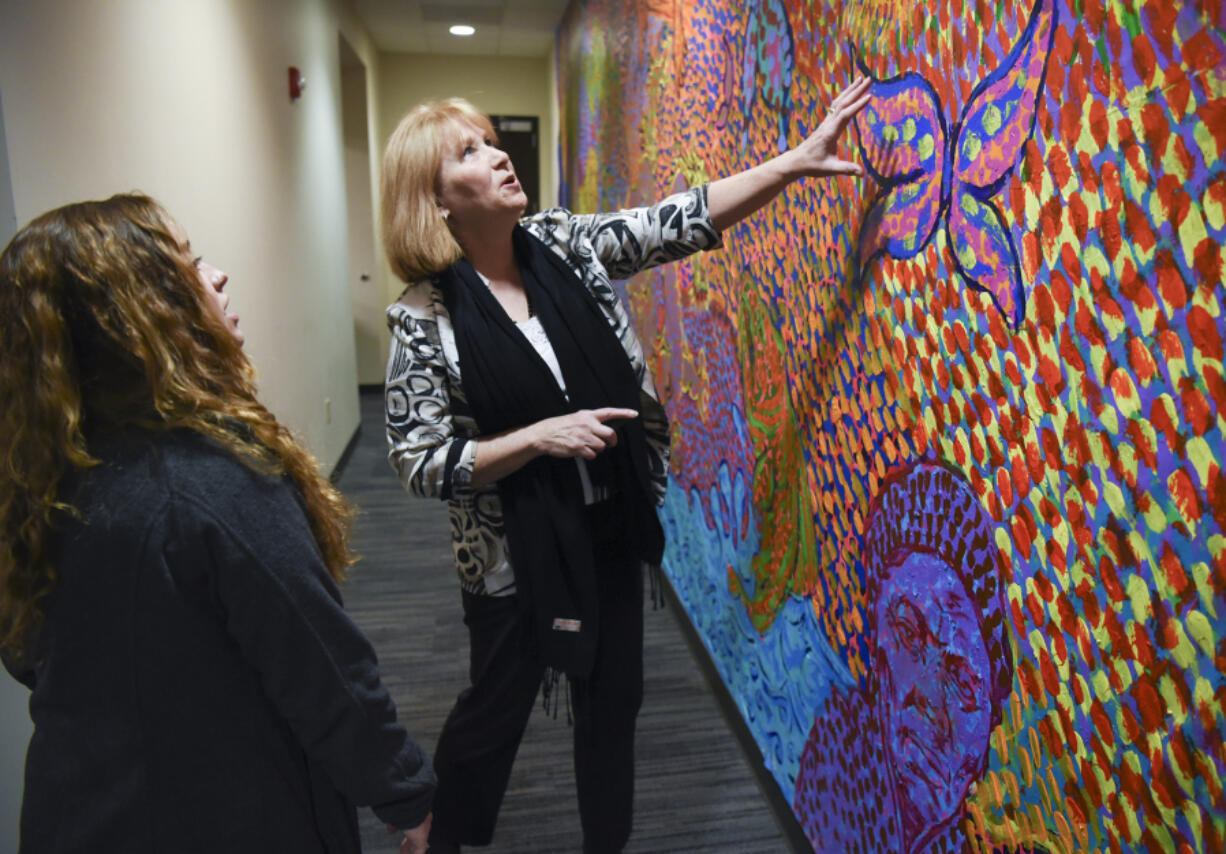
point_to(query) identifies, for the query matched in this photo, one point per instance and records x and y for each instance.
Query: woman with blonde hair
(168, 566)
(518, 391)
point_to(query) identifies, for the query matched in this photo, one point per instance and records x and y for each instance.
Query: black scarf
(508, 385)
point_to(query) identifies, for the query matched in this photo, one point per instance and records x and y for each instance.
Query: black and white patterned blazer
(431, 433)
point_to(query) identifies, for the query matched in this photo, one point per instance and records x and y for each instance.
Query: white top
(535, 333)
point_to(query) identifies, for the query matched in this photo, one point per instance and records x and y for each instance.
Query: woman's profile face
(476, 181)
(213, 281)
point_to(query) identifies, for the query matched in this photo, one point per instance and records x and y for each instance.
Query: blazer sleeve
(429, 458)
(317, 668)
(636, 239)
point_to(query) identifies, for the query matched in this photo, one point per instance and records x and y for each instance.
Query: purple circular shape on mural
(942, 665)
(932, 672)
(929, 507)
(887, 767)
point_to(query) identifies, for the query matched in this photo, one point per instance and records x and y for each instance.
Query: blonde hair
(415, 236)
(104, 323)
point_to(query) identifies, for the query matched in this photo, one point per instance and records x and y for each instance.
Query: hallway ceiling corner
(523, 28)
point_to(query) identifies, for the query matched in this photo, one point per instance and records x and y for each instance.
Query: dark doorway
(518, 136)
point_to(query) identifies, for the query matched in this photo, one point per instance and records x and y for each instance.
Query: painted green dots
(971, 145)
(966, 256)
(992, 119)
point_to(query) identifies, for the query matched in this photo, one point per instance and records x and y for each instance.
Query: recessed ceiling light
(461, 30)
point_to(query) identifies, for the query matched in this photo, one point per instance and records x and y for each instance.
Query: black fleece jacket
(198, 686)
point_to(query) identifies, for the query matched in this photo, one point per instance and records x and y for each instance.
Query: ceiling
(504, 27)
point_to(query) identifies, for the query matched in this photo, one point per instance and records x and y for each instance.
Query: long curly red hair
(104, 324)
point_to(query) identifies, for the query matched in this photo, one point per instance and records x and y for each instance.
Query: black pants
(478, 743)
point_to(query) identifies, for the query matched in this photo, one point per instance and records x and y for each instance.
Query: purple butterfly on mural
(928, 175)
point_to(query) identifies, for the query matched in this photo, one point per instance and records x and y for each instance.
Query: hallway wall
(189, 102)
(15, 725)
(494, 84)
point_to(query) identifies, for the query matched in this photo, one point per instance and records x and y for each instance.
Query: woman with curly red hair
(168, 567)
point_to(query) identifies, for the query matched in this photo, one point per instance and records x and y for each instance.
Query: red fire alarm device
(296, 83)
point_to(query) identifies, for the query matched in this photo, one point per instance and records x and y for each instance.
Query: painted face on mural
(934, 698)
(476, 181)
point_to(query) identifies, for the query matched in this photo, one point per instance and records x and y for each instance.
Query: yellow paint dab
(1161, 832)
(1166, 401)
(1138, 594)
(1205, 587)
(1128, 461)
(1060, 533)
(1115, 500)
(1126, 398)
(1140, 547)
(1137, 185)
(1102, 682)
(1086, 695)
(1032, 207)
(1123, 673)
(1155, 517)
(1158, 210)
(1191, 233)
(1003, 541)
(1210, 299)
(1184, 657)
(1173, 164)
(1201, 630)
(1095, 260)
(1192, 812)
(1215, 212)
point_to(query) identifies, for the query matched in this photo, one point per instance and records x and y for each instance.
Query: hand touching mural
(734, 198)
(927, 173)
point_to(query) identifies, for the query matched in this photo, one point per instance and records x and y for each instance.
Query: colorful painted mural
(947, 504)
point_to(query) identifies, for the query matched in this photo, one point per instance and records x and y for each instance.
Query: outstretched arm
(736, 197)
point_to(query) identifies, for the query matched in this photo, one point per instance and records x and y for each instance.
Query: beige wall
(188, 102)
(369, 301)
(505, 85)
(15, 725)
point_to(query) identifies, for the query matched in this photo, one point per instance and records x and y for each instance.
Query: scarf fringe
(552, 682)
(655, 578)
(556, 686)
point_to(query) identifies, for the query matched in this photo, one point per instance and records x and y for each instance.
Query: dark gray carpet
(695, 790)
